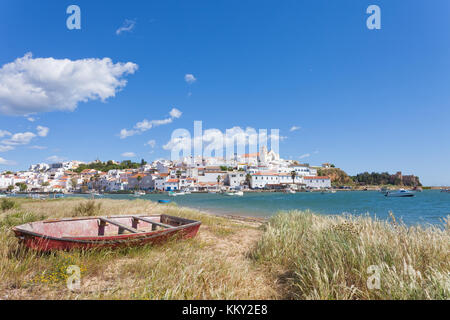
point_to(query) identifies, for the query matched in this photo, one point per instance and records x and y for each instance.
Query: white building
(235, 178)
(317, 182)
(262, 180)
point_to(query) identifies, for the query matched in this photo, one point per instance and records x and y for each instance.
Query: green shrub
(8, 204)
(88, 208)
(18, 218)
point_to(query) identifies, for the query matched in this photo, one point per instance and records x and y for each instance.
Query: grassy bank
(213, 265)
(319, 257)
(295, 255)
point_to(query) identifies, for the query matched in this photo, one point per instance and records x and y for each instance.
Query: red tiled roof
(316, 178)
(138, 175)
(265, 174)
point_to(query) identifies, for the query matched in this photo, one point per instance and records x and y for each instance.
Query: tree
(218, 180)
(22, 186)
(10, 188)
(293, 175)
(143, 162)
(45, 184)
(74, 182)
(139, 179)
(248, 179)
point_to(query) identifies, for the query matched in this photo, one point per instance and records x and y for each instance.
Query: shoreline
(360, 188)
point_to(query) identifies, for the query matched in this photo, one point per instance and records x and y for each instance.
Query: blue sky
(366, 100)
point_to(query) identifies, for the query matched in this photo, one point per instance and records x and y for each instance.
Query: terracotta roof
(250, 155)
(172, 180)
(138, 175)
(316, 178)
(265, 174)
(207, 184)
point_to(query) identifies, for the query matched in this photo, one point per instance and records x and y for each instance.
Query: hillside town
(264, 170)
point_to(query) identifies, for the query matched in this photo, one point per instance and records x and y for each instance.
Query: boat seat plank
(120, 225)
(153, 222)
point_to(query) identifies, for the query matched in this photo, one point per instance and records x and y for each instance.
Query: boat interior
(104, 226)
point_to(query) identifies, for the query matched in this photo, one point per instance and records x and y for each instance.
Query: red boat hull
(52, 239)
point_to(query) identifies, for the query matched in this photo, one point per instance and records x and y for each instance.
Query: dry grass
(214, 265)
(323, 257)
(297, 255)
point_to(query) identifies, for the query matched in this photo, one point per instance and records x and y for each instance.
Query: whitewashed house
(235, 179)
(317, 182)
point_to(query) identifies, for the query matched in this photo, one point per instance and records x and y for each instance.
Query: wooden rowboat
(104, 232)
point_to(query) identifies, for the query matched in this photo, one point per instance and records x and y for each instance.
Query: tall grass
(338, 257)
(87, 209)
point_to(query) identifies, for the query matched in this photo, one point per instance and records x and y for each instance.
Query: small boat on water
(400, 193)
(164, 201)
(38, 196)
(235, 193)
(139, 193)
(175, 194)
(104, 232)
(446, 190)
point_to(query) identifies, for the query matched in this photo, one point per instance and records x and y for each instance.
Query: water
(427, 207)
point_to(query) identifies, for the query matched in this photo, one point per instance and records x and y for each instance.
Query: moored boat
(104, 232)
(235, 193)
(400, 193)
(175, 194)
(446, 190)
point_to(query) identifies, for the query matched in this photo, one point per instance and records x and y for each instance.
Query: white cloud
(42, 131)
(127, 26)
(190, 78)
(56, 159)
(306, 155)
(19, 139)
(124, 133)
(5, 162)
(146, 125)
(30, 85)
(216, 139)
(128, 154)
(294, 128)
(31, 119)
(151, 143)
(38, 147)
(175, 113)
(4, 133)
(6, 148)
